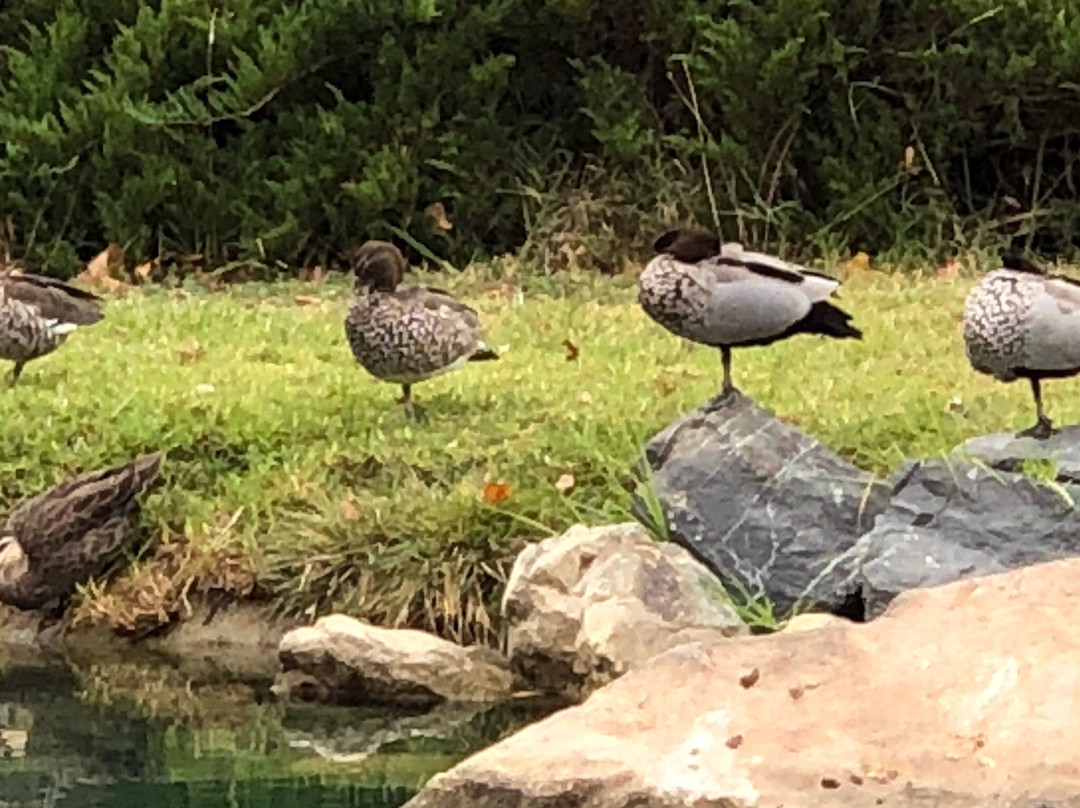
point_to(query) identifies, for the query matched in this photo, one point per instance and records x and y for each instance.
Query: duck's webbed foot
(1042, 430)
(725, 398)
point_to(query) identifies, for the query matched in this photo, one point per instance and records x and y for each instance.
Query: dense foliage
(286, 131)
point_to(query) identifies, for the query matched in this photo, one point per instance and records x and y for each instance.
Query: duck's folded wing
(54, 299)
(814, 285)
(77, 507)
(739, 305)
(1052, 328)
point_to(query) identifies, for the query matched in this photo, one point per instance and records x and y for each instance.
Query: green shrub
(282, 133)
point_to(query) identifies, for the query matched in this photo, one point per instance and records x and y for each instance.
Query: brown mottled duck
(37, 314)
(71, 533)
(409, 335)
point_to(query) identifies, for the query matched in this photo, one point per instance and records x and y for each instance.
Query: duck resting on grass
(37, 314)
(727, 297)
(405, 336)
(1020, 323)
(71, 533)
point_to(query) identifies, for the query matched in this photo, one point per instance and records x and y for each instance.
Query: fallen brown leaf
(494, 493)
(949, 270)
(859, 262)
(349, 512)
(191, 353)
(307, 300)
(565, 483)
(438, 214)
(572, 351)
(99, 270)
(144, 271)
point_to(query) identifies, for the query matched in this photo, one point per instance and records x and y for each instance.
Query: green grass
(285, 455)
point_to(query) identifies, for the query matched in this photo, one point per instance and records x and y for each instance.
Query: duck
(37, 313)
(724, 296)
(1021, 323)
(407, 335)
(71, 533)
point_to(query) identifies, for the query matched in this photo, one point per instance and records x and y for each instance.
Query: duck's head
(688, 244)
(1018, 262)
(379, 265)
(13, 561)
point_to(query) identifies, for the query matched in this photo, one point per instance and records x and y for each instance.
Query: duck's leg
(1043, 428)
(725, 361)
(727, 388)
(15, 373)
(412, 409)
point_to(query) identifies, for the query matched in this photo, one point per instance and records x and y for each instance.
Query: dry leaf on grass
(859, 262)
(565, 483)
(948, 271)
(307, 300)
(572, 351)
(349, 512)
(99, 272)
(190, 353)
(494, 493)
(438, 215)
(143, 272)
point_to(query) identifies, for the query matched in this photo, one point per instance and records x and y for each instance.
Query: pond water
(125, 735)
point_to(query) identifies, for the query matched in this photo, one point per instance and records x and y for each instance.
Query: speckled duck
(64, 537)
(1020, 323)
(406, 336)
(37, 314)
(726, 297)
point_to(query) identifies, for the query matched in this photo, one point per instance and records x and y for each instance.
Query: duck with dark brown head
(1020, 323)
(407, 335)
(726, 297)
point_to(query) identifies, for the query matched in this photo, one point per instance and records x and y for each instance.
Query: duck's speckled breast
(23, 333)
(995, 322)
(671, 298)
(403, 343)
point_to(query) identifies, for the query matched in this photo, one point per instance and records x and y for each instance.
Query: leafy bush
(282, 133)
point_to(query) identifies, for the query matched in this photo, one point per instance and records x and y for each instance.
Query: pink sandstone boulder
(963, 695)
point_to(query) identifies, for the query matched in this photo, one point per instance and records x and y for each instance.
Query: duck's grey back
(412, 334)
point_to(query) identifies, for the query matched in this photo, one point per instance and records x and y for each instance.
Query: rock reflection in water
(114, 736)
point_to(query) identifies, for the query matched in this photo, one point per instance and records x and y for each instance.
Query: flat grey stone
(950, 520)
(763, 504)
(1007, 452)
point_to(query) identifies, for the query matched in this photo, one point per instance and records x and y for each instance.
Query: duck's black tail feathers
(483, 355)
(825, 318)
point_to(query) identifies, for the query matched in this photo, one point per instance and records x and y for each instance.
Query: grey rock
(1007, 452)
(585, 607)
(950, 520)
(759, 501)
(342, 660)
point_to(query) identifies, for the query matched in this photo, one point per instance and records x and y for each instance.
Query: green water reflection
(126, 735)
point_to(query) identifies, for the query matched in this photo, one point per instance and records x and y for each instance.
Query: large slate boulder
(1006, 451)
(952, 519)
(762, 503)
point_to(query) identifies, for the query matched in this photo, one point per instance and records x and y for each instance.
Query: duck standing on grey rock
(71, 533)
(37, 314)
(727, 297)
(1022, 323)
(405, 336)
